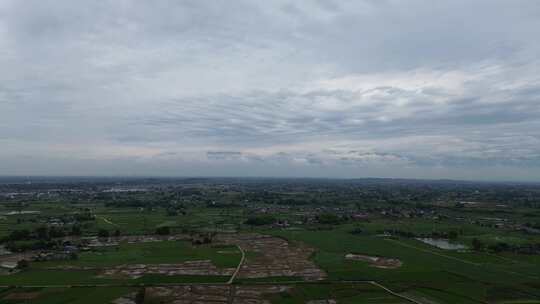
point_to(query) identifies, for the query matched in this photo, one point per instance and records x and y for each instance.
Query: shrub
(165, 230)
(260, 220)
(103, 233)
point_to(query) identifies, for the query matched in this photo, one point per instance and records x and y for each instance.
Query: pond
(442, 244)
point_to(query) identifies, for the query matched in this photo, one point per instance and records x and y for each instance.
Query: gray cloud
(329, 88)
(223, 155)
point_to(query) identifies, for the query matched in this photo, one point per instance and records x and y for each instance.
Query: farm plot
(470, 277)
(144, 262)
(274, 257)
(375, 261)
(155, 252)
(331, 293)
(197, 268)
(316, 293)
(212, 294)
(87, 295)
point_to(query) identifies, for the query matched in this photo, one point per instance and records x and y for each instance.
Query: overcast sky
(328, 88)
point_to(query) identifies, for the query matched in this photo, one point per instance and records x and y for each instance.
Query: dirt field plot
(274, 257)
(22, 296)
(135, 271)
(375, 261)
(213, 294)
(132, 239)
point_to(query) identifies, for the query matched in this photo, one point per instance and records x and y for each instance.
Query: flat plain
(236, 241)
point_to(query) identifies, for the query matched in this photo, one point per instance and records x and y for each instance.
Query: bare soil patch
(22, 296)
(375, 261)
(218, 294)
(134, 271)
(274, 257)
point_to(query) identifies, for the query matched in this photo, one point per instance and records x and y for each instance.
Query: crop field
(427, 271)
(270, 242)
(364, 293)
(154, 260)
(163, 252)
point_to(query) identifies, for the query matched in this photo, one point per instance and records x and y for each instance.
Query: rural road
(239, 265)
(395, 293)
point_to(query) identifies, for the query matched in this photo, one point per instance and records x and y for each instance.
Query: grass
(461, 275)
(166, 252)
(139, 253)
(132, 221)
(344, 293)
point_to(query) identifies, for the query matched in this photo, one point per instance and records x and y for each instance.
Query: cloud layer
(327, 88)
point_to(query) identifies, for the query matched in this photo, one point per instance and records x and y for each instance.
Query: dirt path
(397, 294)
(239, 265)
(108, 222)
(230, 296)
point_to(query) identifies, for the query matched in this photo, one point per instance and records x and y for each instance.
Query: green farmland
(281, 242)
(166, 252)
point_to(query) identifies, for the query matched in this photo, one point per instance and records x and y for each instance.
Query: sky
(327, 88)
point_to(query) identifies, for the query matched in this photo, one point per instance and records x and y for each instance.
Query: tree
(260, 220)
(55, 232)
(172, 211)
(23, 264)
(19, 235)
(73, 256)
(328, 218)
(76, 230)
(165, 230)
(356, 230)
(500, 247)
(42, 233)
(103, 233)
(139, 297)
(477, 245)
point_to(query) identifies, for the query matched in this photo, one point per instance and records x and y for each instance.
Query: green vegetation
(260, 220)
(448, 275)
(62, 235)
(166, 252)
(344, 293)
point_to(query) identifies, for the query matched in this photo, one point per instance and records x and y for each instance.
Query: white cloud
(419, 85)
